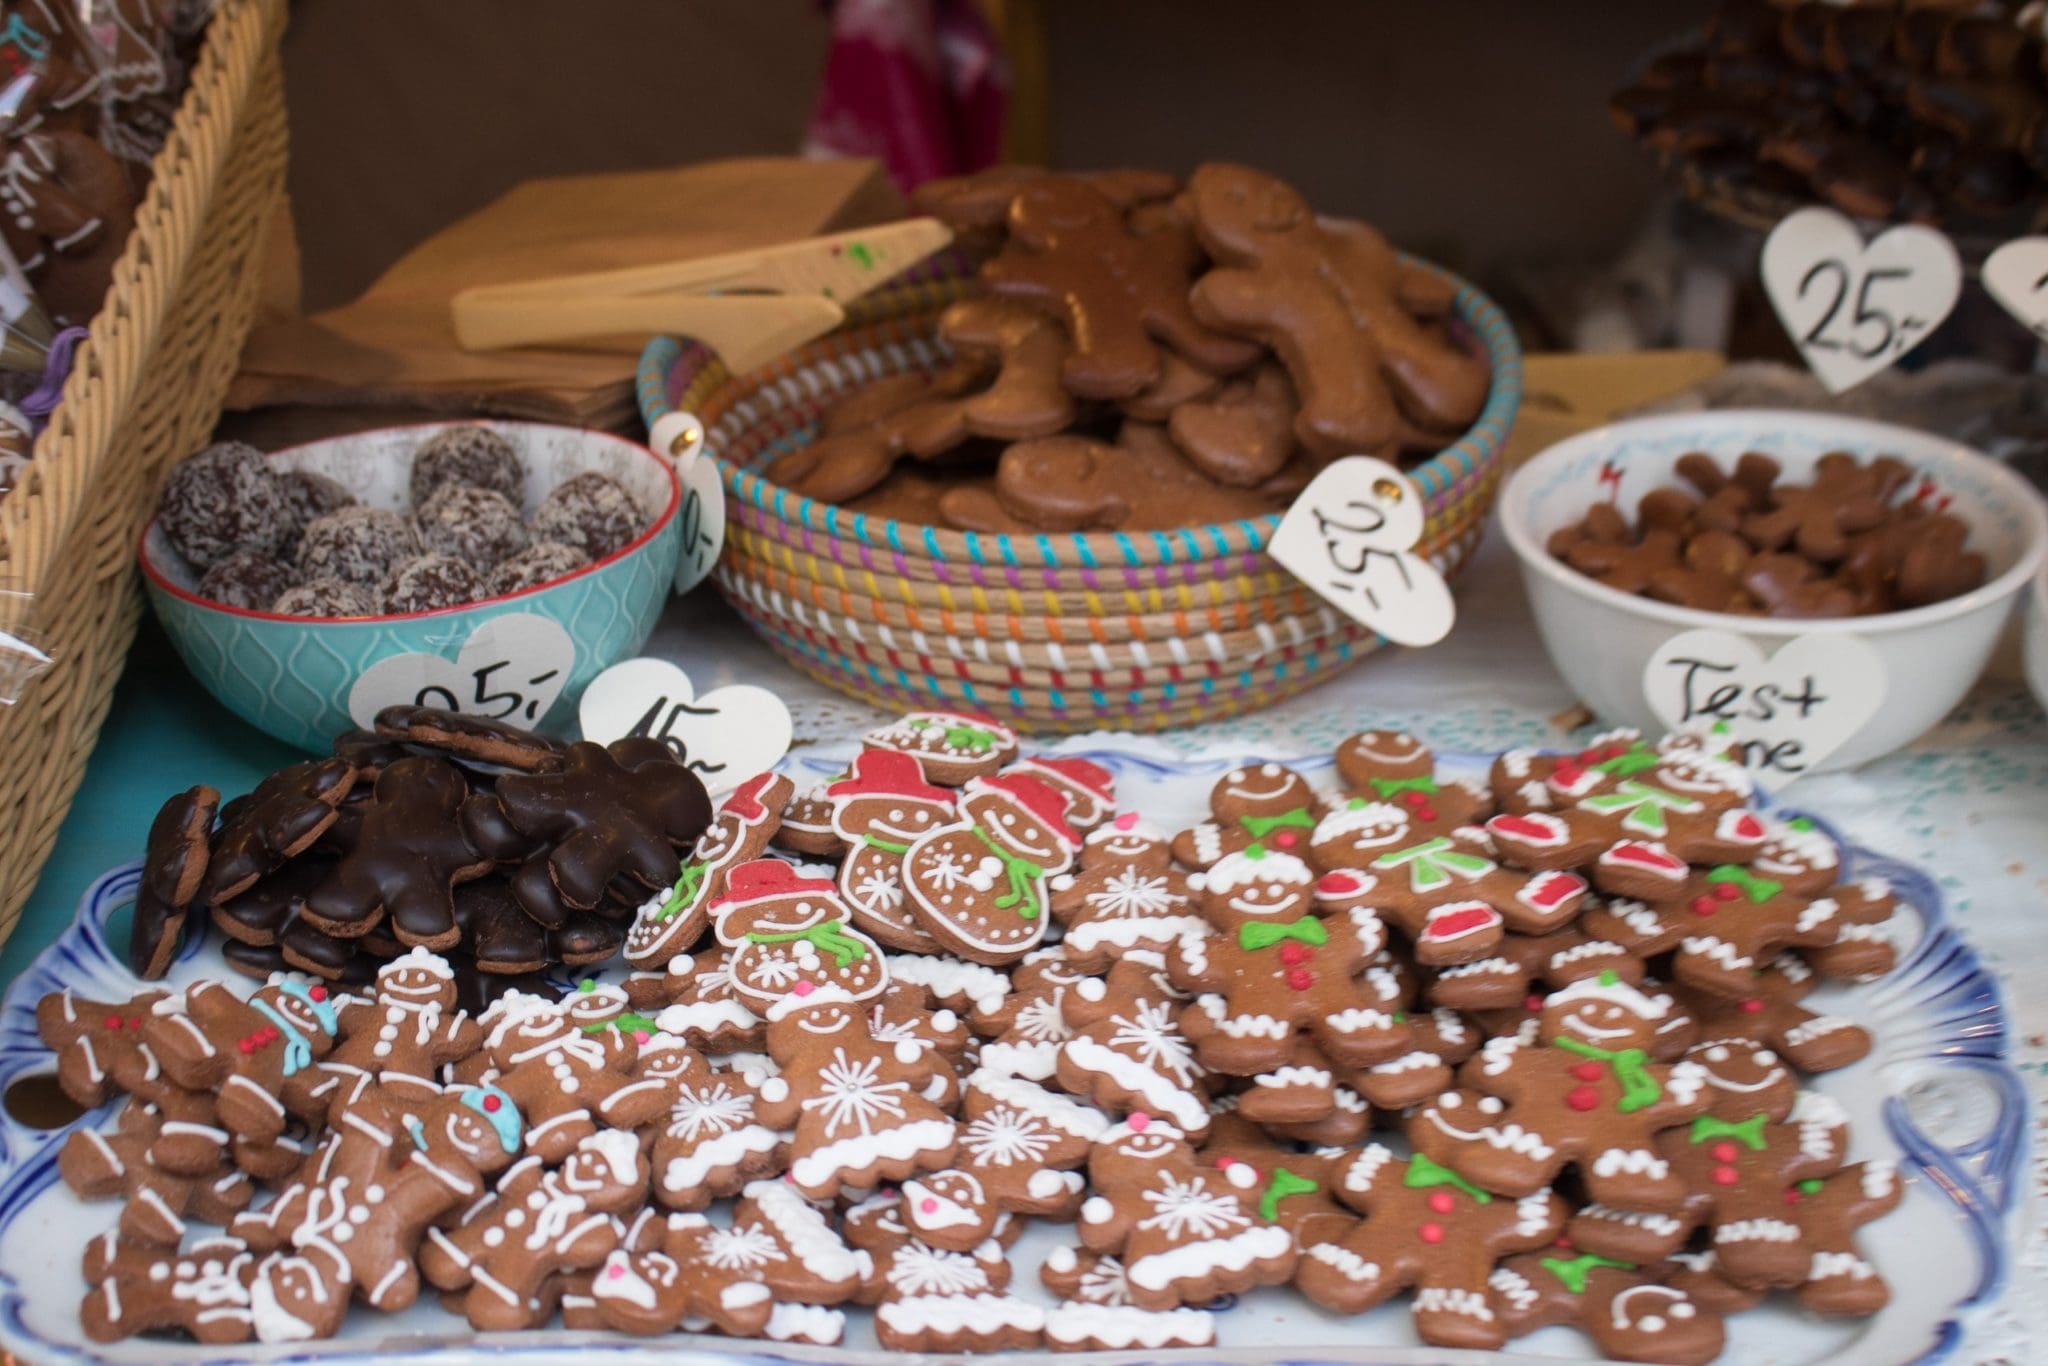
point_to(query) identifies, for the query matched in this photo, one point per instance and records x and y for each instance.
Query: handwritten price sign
(2016, 275)
(703, 519)
(1855, 310)
(728, 735)
(1781, 715)
(1350, 536)
(512, 668)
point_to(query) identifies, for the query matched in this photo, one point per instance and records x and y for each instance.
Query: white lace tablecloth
(1969, 802)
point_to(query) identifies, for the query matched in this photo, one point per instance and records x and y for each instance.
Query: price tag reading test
(1855, 310)
(1351, 536)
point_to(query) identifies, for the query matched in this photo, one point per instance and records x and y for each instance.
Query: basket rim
(159, 582)
(1480, 445)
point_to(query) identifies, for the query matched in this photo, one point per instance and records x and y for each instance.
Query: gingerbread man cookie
(1124, 894)
(257, 1055)
(1128, 1051)
(1624, 1309)
(566, 1083)
(1584, 1090)
(1263, 804)
(1181, 1229)
(202, 1289)
(408, 1028)
(856, 1106)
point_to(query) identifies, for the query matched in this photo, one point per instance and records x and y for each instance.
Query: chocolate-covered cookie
(173, 870)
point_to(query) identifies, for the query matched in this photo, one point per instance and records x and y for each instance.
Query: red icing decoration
(1703, 905)
(1582, 1098)
(1292, 953)
(1425, 813)
(1459, 922)
(1725, 1176)
(1532, 1002)
(1432, 1233)
(318, 993)
(1441, 1201)
(1587, 1071)
(113, 1021)
(886, 773)
(491, 1104)
(1284, 839)
(1752, 1006)
(1045, 803)
(1723, 1151)
(1727, 891)
(1300, 979)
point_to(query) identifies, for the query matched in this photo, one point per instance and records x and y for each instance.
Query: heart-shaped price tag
(728, 735)
(1350, 537)
(2016, 275)
(511, 668)
(703, 522)
(1855, 310)
(1783, 715)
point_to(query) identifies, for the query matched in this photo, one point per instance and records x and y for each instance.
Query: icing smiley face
(1262, 789)
(306, 1006)
(1257, 884)
(1604, 1011)
(1024, 831)
(1743, 1076)
(300, 1296)
(1140, 1139)
(1798, 854)
(594, 1005)
(417, 980)
(1359, 830)
(1129, 838)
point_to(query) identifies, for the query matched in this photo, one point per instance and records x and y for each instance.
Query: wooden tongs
(749, 306)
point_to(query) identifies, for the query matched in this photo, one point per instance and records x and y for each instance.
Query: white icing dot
(1683, 1310)
(159, 1272)
(907, 1052)
(374, 1194)
(493, 1237)
(1650, 1323)
(343, 1232)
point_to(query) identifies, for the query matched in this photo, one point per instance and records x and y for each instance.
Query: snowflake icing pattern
(1041, 1021)
(1185, 1210)
(850, 1093)
(949, 871)
(709, 1112)
(1131, 896)
(774, 970)
(1154, 1039)
(1104, 1283)
(878, 889)
(920, 1270)
(1004, 1136)
(741, 1249)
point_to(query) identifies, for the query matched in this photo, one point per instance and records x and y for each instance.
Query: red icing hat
(745, 801)
(766, 879)
(1045, 802)
(1081, 773)
(887, 773)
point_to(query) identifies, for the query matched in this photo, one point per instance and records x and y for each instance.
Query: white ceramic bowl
(2037, 638)
(1601, 639)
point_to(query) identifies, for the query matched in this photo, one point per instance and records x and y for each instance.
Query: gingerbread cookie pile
(1148, 354)
(505, 850)
(1845, 543)
(1529, 1052)
(1885, 110)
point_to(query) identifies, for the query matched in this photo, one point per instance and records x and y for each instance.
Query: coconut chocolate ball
(427, 583)
(592, 512)
(473, 525)
(311, 496)
(358, 544)
(246, 580)
(224, 499)
(533, 566)
(326, 598)
(476, 456)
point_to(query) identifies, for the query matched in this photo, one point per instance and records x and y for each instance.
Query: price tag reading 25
(1350, 536)
(1855, 310)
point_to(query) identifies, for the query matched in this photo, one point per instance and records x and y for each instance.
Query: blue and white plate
(1937, 1094)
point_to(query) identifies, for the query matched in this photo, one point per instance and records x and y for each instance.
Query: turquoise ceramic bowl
(524, 657)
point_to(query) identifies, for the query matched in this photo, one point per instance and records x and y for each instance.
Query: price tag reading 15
(1855, 310)
(1351, 535)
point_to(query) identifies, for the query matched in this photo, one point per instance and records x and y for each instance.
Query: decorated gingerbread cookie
(673, 921)
(879, 809)
(1124, 894)
(1019, 1146)
(951, 747)
(1096, 1314)
(1623, 1308)
(1264, 804)
(1128, 1052)
(977, 884)
(784, 929)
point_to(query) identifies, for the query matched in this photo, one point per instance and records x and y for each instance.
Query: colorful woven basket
(1059, 632)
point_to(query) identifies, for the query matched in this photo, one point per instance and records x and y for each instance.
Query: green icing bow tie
(1749, 1133)
(1389, 788)
(1424, 1173)
(1258, 827)
(1265, 934)
(1757, 889)
(1571, 1273)
(1631, 1069)
(1283, 1184)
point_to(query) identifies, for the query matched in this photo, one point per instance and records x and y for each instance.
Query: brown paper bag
(395, 346)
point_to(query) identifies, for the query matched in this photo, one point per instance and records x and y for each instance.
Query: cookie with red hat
(978, 884)
(1090, 789)
(879, 809)
(784, 928)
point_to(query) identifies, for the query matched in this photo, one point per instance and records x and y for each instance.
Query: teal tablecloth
(163, 734)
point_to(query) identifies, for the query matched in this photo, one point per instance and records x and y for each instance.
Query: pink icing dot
(1440, 1201)
(1138, 1121)
(803, 988)
(1127, 821)
(615, 1271)
(928, 1205)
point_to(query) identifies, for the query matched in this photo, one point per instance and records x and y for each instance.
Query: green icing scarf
(828, 937)
(1023, 876)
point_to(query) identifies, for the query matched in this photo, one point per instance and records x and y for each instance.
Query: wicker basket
(1053, 633)
(145, 389)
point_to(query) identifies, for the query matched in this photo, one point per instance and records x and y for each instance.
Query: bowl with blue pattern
(521, 657)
